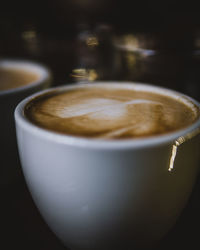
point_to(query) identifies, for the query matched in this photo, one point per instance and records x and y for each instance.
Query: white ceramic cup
(9, 98)
(114, 194)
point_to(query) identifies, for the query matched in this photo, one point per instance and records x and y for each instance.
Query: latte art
(103, 112)
(99, 108)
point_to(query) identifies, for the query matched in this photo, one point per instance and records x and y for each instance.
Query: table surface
(23, 228)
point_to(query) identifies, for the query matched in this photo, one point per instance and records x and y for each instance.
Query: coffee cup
(18, 79)
(99, 180)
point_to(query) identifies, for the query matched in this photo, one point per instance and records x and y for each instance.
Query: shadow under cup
(15, 73)
(109, 194)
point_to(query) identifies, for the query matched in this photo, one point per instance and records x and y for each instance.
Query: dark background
(52, 32)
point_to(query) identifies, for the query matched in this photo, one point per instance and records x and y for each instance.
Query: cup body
(97, 194)
(10, 170)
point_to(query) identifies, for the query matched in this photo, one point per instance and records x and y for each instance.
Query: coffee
(11, 77)
(111, 112)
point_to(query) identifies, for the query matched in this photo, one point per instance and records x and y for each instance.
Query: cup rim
(93, 143)
(43, 71)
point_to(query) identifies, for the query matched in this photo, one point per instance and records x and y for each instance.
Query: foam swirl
(110, 113)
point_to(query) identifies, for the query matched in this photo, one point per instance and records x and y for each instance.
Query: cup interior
(42, 73)
(109, 144)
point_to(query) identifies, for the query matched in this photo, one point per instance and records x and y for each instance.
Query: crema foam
(11, 77)
(111, 113)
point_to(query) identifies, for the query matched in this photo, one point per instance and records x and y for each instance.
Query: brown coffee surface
(110, 113)
(11, 78)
